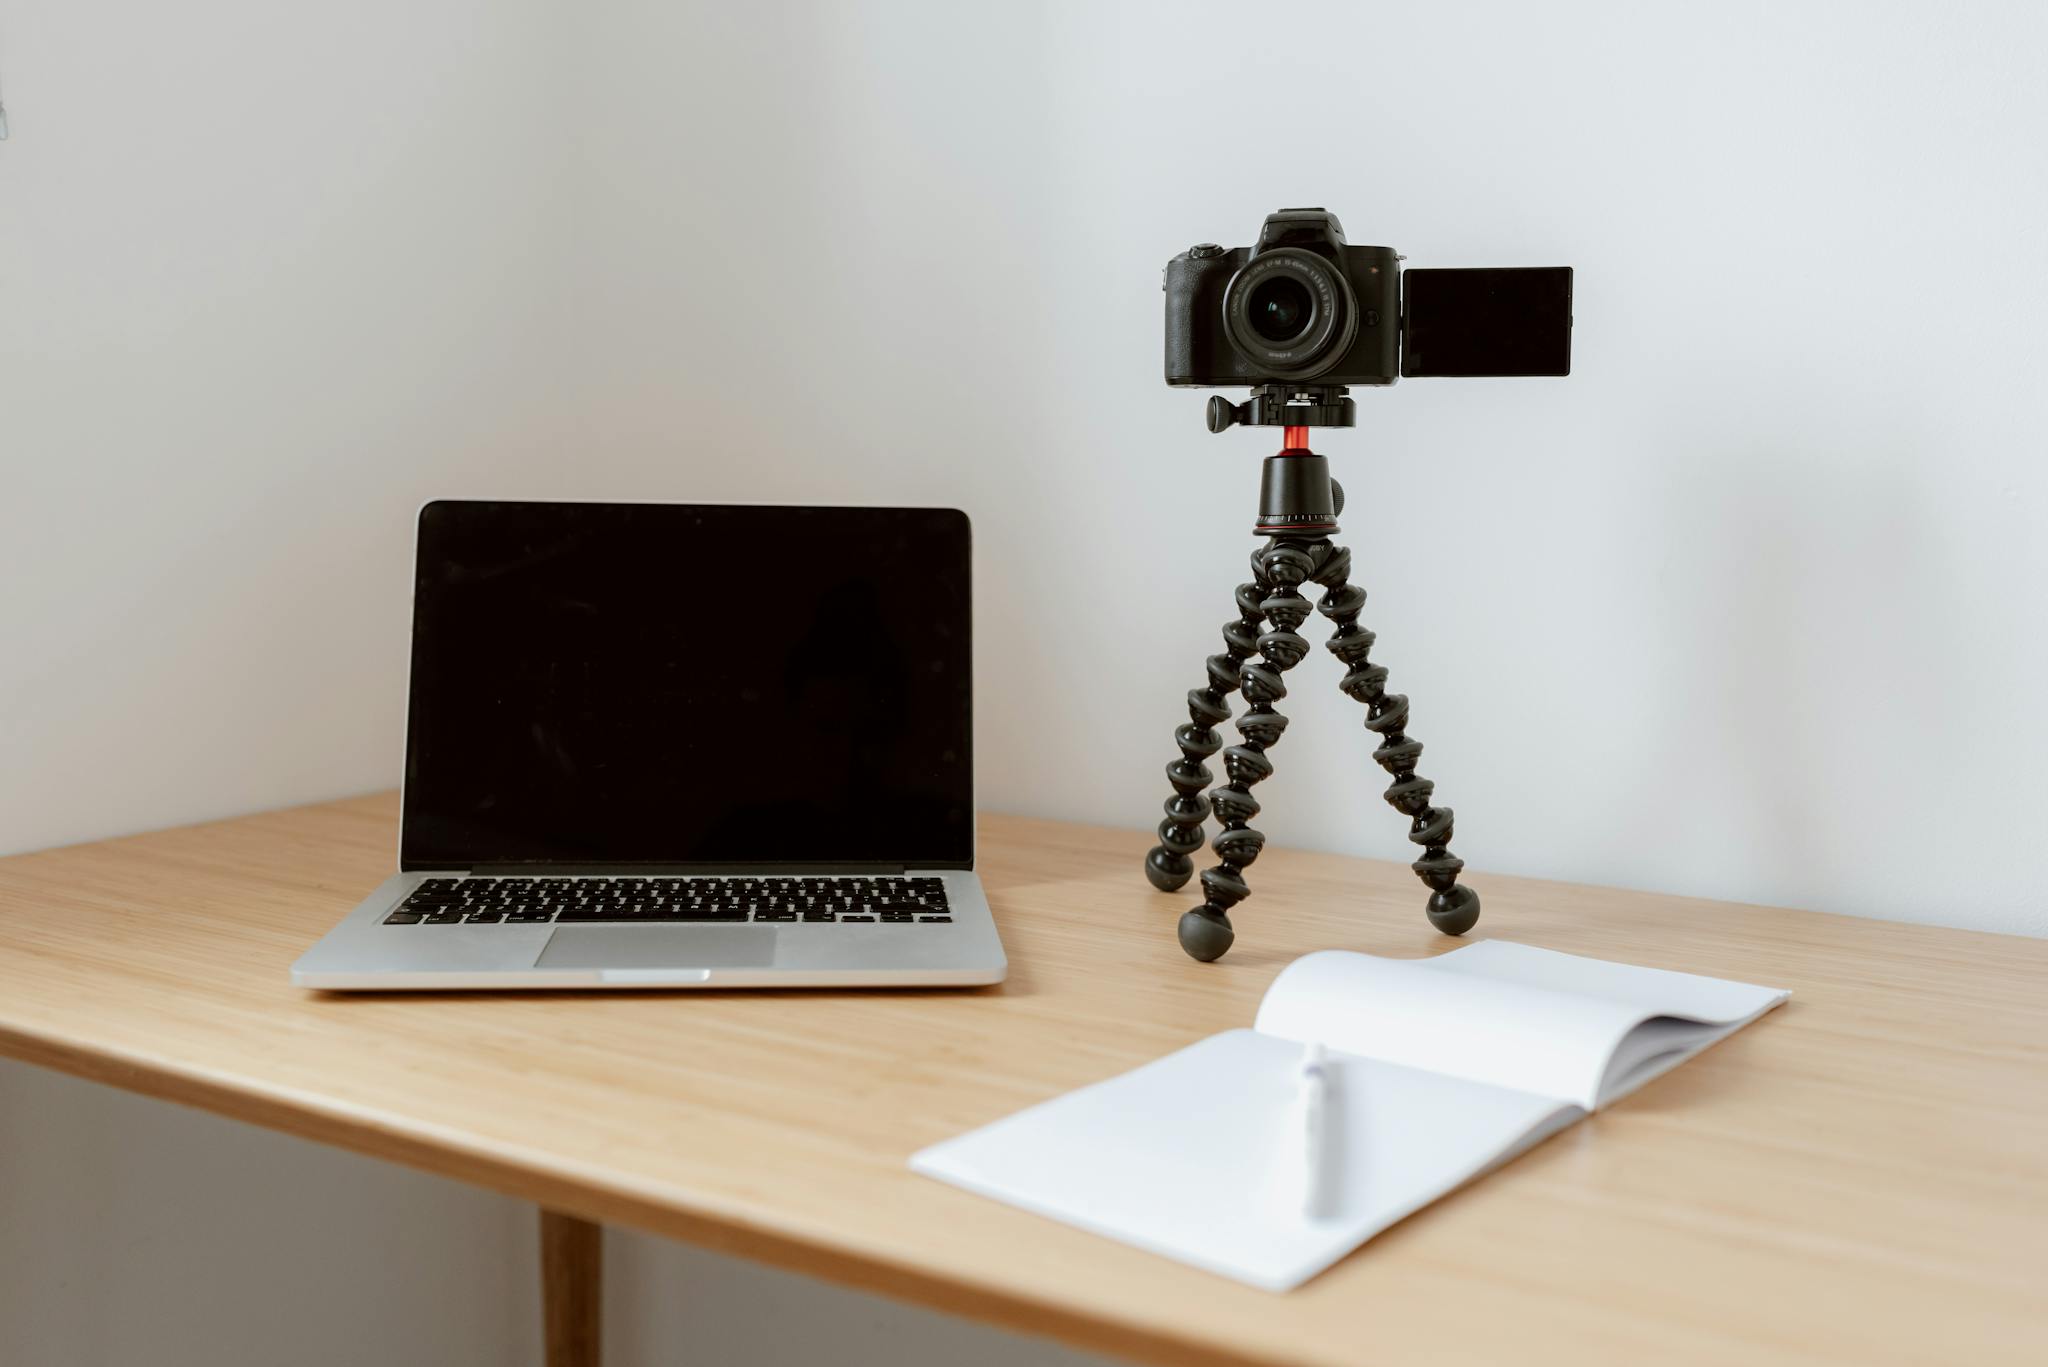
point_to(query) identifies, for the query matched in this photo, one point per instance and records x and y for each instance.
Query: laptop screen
(649, 684)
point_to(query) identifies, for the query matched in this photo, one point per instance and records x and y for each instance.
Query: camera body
(1302, 306)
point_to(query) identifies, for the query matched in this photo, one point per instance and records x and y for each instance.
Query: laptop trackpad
(670, 946)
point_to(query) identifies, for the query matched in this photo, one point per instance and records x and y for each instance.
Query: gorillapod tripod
(1298, 508)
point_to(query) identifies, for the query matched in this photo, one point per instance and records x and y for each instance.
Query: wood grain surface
(1861, 1177)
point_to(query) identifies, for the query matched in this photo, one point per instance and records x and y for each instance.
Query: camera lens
(1279, 308)
(1289, 314)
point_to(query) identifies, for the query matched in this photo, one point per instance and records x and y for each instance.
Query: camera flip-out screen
(1496, 321)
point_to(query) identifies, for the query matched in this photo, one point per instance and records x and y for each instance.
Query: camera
(1300, 318)
(1303, 306)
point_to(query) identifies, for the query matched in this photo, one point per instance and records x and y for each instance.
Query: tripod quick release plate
(1280, 404)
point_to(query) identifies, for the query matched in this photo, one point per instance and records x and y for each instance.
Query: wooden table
(1861, 1177)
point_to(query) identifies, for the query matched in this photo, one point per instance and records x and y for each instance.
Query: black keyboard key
(934, 920)
(536, 901)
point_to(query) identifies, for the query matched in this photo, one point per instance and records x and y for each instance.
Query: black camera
(1303, 306)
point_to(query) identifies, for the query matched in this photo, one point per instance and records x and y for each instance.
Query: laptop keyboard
(640, 901)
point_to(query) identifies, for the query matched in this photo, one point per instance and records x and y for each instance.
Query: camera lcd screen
(1498, 321)
(649, 684)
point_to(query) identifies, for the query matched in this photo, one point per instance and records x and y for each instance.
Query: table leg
(572, 1289)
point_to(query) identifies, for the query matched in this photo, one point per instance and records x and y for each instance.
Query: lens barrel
(1290, 313)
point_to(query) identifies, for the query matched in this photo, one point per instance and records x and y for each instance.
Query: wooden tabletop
(1861, 1177)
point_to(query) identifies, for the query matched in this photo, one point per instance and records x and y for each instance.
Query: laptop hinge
(539, 868)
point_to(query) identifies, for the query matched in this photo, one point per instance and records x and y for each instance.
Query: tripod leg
(1453, 908)
(1180, 834)
(1205, 932)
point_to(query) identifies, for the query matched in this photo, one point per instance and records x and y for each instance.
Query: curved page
(1504, 1034)
(1511, 1015)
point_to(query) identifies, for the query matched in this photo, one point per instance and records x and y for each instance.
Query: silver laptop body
(662, 746)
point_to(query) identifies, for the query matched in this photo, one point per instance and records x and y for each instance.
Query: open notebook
(1443, 1069)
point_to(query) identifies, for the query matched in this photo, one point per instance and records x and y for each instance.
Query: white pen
(1315, 1127)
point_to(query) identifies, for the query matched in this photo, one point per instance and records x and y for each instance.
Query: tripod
(1298, 503)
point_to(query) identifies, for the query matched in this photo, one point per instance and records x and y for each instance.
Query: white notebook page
(1195, 1156)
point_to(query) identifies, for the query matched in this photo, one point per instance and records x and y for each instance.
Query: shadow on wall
(1802, 655)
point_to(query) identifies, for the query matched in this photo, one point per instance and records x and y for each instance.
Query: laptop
(663, 746)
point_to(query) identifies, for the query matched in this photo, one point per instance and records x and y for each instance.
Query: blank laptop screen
(642, 684)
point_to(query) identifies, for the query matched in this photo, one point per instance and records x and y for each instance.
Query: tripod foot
(1205, 934)
(1455, 911)
(1168, 870)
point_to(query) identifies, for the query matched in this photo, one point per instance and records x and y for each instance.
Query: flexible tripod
(1298, 507)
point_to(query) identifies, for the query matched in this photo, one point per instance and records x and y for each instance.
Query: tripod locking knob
(1222, 413)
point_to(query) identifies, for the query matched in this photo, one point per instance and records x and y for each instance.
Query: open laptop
(659, 745)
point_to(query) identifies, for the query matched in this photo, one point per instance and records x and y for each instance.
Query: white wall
(1740, 609)
(1743, 608)
(270, 275)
